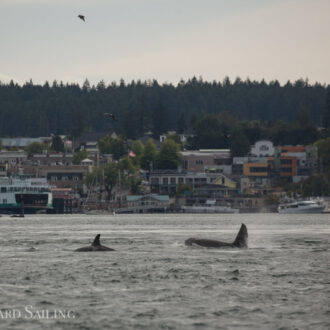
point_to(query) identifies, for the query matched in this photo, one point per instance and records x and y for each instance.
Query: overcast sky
(167, 40)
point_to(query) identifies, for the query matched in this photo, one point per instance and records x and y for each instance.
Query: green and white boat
(34, 195)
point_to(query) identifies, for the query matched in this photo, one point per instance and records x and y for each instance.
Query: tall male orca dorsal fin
(97, 240)
(241, 238)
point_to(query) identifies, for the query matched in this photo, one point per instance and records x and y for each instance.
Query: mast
(120, 195)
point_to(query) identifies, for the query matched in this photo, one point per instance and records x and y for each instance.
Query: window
(258, 169)
(286, 169)
(173, 181)
(3, 189)
(165, 180)
(199, 162)
(75, 178)
(154, 180)
(286, 161)
(4, 201)
(264, 148)
(180, 180)
(65, 178)
(53, 178)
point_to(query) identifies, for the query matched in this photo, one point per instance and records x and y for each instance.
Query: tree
(239, 145)
(110, 177)
(57, 144)
(317, 185)
(209, 133)
(101, 85)
(127, 165)
(109, 145)
(169, 156)
(86, 86)
(253, 130)
(149, 155)
(93, 179)
(138, 149)
(175, 137)
(129, 174)
(326, 114)
(35, 110)
(323, 150)
(182, 125)
(36, 148)
(303, 130)
(159, 119)
(79, 124)
(79, 156)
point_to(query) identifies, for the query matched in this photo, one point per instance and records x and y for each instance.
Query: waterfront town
(104, 173)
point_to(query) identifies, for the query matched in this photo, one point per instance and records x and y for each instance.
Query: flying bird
(110, 115)
(226, 136)
(82, 17)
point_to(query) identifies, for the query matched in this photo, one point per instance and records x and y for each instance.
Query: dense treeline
(35, 110)
(223, 131)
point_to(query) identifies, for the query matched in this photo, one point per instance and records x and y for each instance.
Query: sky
(166, 40)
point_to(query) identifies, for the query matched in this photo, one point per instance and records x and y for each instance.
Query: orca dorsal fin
(241, 238)
(97, 240)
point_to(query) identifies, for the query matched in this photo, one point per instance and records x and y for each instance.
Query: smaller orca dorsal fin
(97, 240)
(241, 238)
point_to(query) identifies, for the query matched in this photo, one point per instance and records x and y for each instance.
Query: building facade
(197, 161)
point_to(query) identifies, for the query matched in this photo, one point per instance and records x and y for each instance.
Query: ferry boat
(303, 206)
(32, 195)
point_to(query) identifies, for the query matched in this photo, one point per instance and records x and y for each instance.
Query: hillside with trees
(40, 110)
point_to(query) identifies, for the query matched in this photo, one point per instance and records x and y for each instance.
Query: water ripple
(154, 281)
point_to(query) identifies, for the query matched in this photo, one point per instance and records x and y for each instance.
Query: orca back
(210, 243)
(95, 246)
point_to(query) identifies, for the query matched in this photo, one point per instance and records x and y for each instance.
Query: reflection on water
(154, 281)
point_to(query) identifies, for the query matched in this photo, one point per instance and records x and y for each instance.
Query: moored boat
(302, 206)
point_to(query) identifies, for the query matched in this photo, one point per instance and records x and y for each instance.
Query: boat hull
(309, 210)
(4, 209)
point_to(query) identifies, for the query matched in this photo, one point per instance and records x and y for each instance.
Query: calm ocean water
(154, 281)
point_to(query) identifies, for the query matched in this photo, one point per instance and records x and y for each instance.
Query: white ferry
(32, 194)
(303, 206)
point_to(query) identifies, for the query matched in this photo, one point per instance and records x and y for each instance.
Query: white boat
(34, 195)
(303, 206)
(209, 207)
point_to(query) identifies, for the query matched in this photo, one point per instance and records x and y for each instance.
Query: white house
(87, 162)
(263, 148)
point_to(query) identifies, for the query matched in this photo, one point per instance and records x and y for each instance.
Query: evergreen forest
(32, 110)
